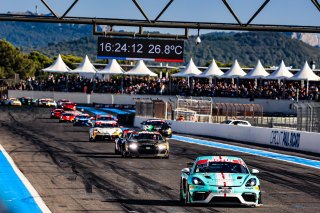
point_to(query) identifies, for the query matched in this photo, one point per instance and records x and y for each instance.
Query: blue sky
(287, 12)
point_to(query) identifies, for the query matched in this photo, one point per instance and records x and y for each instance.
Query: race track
(74, 175)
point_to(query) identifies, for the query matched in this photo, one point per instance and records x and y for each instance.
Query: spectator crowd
(267, 89)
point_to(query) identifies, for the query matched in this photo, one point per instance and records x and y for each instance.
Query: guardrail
(289, 139)
(269, 105)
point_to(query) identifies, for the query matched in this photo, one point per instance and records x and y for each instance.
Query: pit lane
(72, 174)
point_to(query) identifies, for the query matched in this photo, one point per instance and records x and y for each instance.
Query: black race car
(157, 125)
(145, 143)
(26, 101)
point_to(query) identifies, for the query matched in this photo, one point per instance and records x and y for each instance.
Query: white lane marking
(26, 182)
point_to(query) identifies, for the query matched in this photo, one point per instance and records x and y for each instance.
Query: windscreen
(67, 114)
(226, 122)
(105, 119)
(82, 117)
(102, 125)
(154, 123)
(145, 136)
(221, 167)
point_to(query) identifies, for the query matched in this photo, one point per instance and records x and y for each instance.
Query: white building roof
(190, 70)
(112, 68)
(235, 71)
(140, 69)
(212, 71)
(58, 66)
(257, 72)
(305, 73)
(281, 73)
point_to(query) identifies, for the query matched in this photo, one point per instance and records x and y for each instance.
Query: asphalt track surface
(74, 175)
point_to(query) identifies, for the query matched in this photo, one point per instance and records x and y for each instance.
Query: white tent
(257, 72)
(281, 73)
(140, 69)
(189, 71)
(234, 72)
(305, 73)
(112, 68)
(58, 66)
(85, 69)
(212, 71)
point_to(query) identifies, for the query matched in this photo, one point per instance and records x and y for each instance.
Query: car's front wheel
(181, 193)
(187, 196)
(260, 199)
(116, 151)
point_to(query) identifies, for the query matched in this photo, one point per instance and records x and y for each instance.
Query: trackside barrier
(269, 106)
(289, 139)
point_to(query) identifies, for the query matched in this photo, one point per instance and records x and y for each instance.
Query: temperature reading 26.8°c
(133, 49)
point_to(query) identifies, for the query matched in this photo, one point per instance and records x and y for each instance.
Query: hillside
(52, 39)
(271, 48)
(36, 35)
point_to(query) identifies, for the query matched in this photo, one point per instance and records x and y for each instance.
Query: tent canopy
(212, 71)
(58, 66)
(257, 72)
(235, 71)
(112, 68)
(189, 71)
(305, 73)
(85, 69)
(281, 73)
(140, 69)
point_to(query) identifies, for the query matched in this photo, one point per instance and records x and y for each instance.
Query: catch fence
(308, 116)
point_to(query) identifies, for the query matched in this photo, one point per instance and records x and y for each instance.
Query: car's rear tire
(91, 139)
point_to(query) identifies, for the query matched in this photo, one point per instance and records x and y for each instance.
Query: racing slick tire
(116, 151)
(187, 198)
(180, 194)
(91, 139)
(260, 199)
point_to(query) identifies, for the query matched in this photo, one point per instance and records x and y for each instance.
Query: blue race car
(220, 180)
(82, 120)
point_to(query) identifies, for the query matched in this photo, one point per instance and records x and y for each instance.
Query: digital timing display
(135, 49)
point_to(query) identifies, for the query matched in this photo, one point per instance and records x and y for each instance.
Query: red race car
(67, 117)
(56, 113)
(61, 101)
(69, 106)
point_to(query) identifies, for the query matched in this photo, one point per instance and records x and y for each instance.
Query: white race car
(105, 131)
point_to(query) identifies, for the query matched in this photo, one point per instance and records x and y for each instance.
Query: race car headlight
(197, 181)
(251, 182)
(133, 146)
(162, 146)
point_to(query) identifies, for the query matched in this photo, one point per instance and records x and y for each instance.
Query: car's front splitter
(248, 196)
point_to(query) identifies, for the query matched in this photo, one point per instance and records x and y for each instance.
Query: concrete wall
(282, 106)
(290, 139)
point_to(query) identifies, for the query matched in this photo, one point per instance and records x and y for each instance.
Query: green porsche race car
(220, 180)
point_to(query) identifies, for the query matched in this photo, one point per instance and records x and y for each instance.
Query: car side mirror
(186, 170)
(254, 171)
